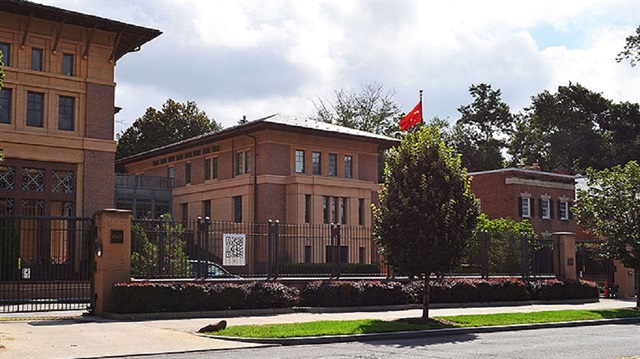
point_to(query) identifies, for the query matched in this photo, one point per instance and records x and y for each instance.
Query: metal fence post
(339, 249)
(484, 252)
(269, 248)
(276, 251)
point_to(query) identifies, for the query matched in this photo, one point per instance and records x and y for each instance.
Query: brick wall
(266, 155)
(100, 111)
(368, 168)
(272, 203)
(99, 181)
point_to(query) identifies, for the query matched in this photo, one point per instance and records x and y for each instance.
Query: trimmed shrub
(263, 295)
(226, 296)
(353, 294)
(554, 289)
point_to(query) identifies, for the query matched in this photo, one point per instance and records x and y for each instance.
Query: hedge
(153, 297)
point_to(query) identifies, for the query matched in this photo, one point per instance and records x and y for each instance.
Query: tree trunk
(425, 296)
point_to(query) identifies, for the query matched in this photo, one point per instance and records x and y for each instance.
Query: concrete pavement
(70, 335)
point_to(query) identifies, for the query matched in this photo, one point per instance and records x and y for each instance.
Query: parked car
(208, 269)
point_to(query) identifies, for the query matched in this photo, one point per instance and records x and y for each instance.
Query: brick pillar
(565, 255)
(112, 255)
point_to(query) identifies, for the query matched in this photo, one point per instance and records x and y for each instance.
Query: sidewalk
(39, 335)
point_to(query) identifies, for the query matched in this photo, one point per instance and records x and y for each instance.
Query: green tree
(427, 213)
(174, 122)
(480, 133)
(372, 110)
(505, 242)
(631, 50)
(610, 208)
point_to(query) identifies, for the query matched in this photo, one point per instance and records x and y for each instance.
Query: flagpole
(421, 118)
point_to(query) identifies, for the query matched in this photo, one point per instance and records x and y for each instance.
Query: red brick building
(542, 198)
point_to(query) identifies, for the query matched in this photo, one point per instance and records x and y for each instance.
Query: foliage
(610, 209)
(174, 122)
(372, 110)
(163, 254)
(554, 289)
(263, 295)
(427, 213)
(631, 50)
(352, 294)
(480, 133)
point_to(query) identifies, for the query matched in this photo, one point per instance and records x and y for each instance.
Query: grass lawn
(349, 327)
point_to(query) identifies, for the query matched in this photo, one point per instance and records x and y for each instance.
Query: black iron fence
(44, 263)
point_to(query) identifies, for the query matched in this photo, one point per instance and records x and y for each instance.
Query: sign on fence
(234, 247)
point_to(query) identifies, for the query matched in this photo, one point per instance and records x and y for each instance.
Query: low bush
(352, 294)
(553, 289)
(226, 296)
(262, 295)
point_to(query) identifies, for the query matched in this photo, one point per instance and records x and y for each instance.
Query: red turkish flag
(412, 118)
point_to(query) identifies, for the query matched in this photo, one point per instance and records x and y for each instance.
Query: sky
(257, 58)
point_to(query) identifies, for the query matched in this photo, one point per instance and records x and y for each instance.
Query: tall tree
(562, 130)
(631, 50)
(372, 109)
(610, 208)
(174, 122)
(480, 133)
(427, 213)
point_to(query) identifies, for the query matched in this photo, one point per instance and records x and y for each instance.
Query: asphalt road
(597, 342)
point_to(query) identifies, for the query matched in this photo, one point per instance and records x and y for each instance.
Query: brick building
(279, 167)
(542, 198)
(57, 107)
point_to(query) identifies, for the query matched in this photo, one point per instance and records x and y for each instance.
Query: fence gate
(44, 263)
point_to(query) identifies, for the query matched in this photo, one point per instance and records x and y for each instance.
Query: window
(5, 49)
(239, 163)
(334, 210)
(525, 207)
(247, 162)
(5, 105)
(7, 206)
(545, 208)
(307, 254)
(207, 169)
(187, 173)
(214, 168)
(361, 211)
(67, 64)
(348, 166)
(343, 209)
(7, 177)
(299, 161)
(143, 208)
(35, 109)
(362, 255)
(62, 181)
(563, 210)
(160, 208)
(316, 162)
(307, 208)
(206, 208)
(66, 110)
(36, 59)
(184, 208)
(33, 179)
(333, 164)
(171, 174)
(237, 209)
(326, 209)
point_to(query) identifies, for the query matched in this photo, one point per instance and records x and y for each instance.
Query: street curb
(422, 333)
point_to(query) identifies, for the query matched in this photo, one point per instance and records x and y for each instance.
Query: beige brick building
(57, 107)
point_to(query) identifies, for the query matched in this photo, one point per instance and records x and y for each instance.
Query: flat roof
(132, 38)
(526, 172)
(281, 122)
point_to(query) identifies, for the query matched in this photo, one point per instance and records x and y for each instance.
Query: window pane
(207, 169)
(5, 105)
(343, 217)
(35, 107)
(32, 179)
(62, 182)
(66, 116)
(525, 207)
(247, 162)
(317, 163)
(361, 211)
(187, 173)
(333, 165)
(5, 49)
(348, 166)
(307, 208)
(239, 163)
(7, 177)
(36, 59)
(237, 209)
(67, 64)
(299, 161)
(214, 167)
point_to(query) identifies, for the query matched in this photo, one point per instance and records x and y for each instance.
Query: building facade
(57, 108)
(542, 198)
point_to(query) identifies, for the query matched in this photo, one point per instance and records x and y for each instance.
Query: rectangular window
(307, 208)
(35, 109)
(239, 163)
(171, 174)
(361, 211)
(206, 209)
(333, 164)
(207, 169)
(5, 49)
(66, 113)
(525, 207)
(334, 210)
(545, 208)
(326, 209)
(247, 162)
(237, 209)
(362, 255)
(316, 161)
(307, 254)
(214, 168)
(36, 59)
(187, 173)
(563, 210)
(67, 64)
(5, 105)
(184, 208)
(348, 166)
(299, 161)
(343, 211)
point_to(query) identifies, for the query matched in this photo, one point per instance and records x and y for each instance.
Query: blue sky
(256, 58)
